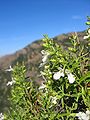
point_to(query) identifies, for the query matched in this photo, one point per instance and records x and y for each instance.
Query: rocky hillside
(31, 55)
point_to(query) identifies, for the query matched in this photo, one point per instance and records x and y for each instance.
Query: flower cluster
(60, 73)
(83, 116)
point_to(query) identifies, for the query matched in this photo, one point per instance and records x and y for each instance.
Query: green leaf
(86, 76)
(87, 23)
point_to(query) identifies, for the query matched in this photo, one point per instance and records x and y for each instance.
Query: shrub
(66, 88)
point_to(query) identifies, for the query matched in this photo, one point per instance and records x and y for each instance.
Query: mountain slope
(31, 53)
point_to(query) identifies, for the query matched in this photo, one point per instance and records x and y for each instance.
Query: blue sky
(24, 21)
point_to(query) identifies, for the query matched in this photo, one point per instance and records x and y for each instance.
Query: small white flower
(41, 65)
(53, 99)
(89, 31)
(11, 82)
(43, 52)
(42, 86)
(83, 116)
(88, 34)
(86, 37)
(44, 59)
(58, 74)
(71, 77)
(45, 56)
(1, 116)
(10, 69)
(88, 112)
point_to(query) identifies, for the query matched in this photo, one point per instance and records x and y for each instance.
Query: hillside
(31, 55)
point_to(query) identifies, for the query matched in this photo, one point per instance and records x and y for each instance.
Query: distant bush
(65, 94)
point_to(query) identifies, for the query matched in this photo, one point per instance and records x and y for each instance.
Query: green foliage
(71, 97)
(88, 21)
(66, 90)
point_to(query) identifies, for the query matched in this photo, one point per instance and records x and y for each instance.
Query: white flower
(89, 31)
(10, 69)
(42, 86)
(83, 116)
(45, 56)
(41, 64)
(11, 82)
(86, 37)
(1, 116)
(88, 34)
(53, 99)
(43, 52)
(88, 112)
(71, 77)
(58, 74)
